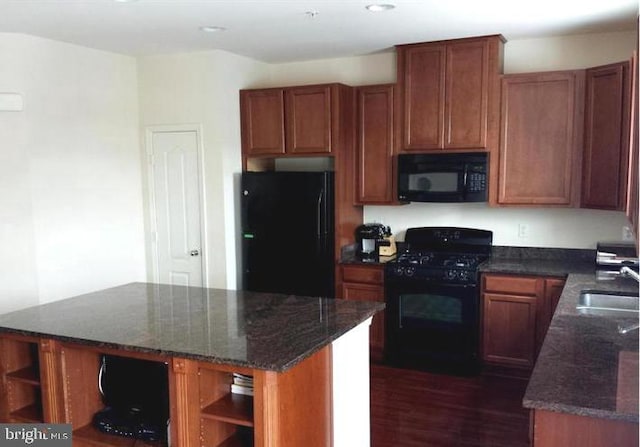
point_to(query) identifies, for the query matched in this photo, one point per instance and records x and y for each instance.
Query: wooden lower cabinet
(561, 430)
(516, 312)
(288, 408)
(366, 283)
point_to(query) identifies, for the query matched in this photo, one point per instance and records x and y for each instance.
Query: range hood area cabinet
(449, 94)
(540, 139)
(292, 121)
(606, 143)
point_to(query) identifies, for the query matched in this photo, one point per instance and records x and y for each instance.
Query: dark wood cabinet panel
(366, 283)
(553, 429)
(516, 312)
(422, 69)
(466, 95)
(509, 334)
(448, 94)
(540, 139)
(631, 207)
(262, 121)
(375, 133)
(604, 184)
(308, 120)
(552, 291)
(290, 120)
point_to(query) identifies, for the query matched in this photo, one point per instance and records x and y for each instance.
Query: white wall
(568, 52)
(70, 197)
(568, 228)
(203, 88)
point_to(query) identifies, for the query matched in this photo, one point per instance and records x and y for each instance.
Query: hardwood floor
(419, 409)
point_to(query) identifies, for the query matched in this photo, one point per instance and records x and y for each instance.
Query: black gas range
(433, 299)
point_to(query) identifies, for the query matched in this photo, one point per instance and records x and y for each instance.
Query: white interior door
(176, 207)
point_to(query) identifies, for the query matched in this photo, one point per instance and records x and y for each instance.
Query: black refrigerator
(287, 232)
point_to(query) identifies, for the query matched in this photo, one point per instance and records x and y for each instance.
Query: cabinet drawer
(510, 284)
(363, 274)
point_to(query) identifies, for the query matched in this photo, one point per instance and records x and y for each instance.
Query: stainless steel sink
(607, 303)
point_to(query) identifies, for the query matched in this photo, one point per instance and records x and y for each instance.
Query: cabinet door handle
(194, 253)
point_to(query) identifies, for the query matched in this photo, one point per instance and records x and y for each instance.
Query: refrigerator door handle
(319, 215)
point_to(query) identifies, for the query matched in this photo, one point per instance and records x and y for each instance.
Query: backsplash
(519, 227)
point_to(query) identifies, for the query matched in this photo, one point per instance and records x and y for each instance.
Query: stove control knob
(398, 271)
(450, 274)
(410, 271)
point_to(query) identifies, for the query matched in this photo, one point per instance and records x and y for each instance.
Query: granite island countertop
(256, 330)
(585, 367)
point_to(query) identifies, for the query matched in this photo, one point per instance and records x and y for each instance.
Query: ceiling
(294, 30)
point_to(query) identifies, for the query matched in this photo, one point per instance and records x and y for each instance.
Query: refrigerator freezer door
(287, 231)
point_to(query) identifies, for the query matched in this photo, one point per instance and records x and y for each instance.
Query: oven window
(434, 181)
(430, 307)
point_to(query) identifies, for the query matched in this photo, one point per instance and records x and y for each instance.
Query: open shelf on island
(233, 408)
(28, 375)
(31, 413)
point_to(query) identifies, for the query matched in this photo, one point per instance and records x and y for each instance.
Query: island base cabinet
(562, 430)
(287, 408)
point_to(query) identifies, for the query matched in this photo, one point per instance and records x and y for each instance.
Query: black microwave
(442, 177)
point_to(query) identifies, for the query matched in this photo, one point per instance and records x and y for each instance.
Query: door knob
(194, 252)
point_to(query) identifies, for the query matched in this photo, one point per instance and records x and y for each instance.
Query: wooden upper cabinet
(604, 175)
(540, 139)
(288, 121)
(449, 94)
(466, 95)
(375, 139)
(308, 120)
(262, 120)
(421, 69)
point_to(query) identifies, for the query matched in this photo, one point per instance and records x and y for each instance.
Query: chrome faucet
(626, 329)
(629, 273)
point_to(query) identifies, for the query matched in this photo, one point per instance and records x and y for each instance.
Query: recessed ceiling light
(125, 1)
(212, 29)
(379, 7)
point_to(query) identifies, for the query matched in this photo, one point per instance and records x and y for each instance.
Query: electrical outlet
(523, 231)
(627, 234)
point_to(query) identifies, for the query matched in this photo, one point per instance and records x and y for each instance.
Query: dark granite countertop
(256, 330)
(585, 367)
(539, 261)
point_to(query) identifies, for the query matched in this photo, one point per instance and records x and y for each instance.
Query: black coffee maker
(368, 238)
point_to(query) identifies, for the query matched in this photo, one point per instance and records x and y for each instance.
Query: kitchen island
(308, 358)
